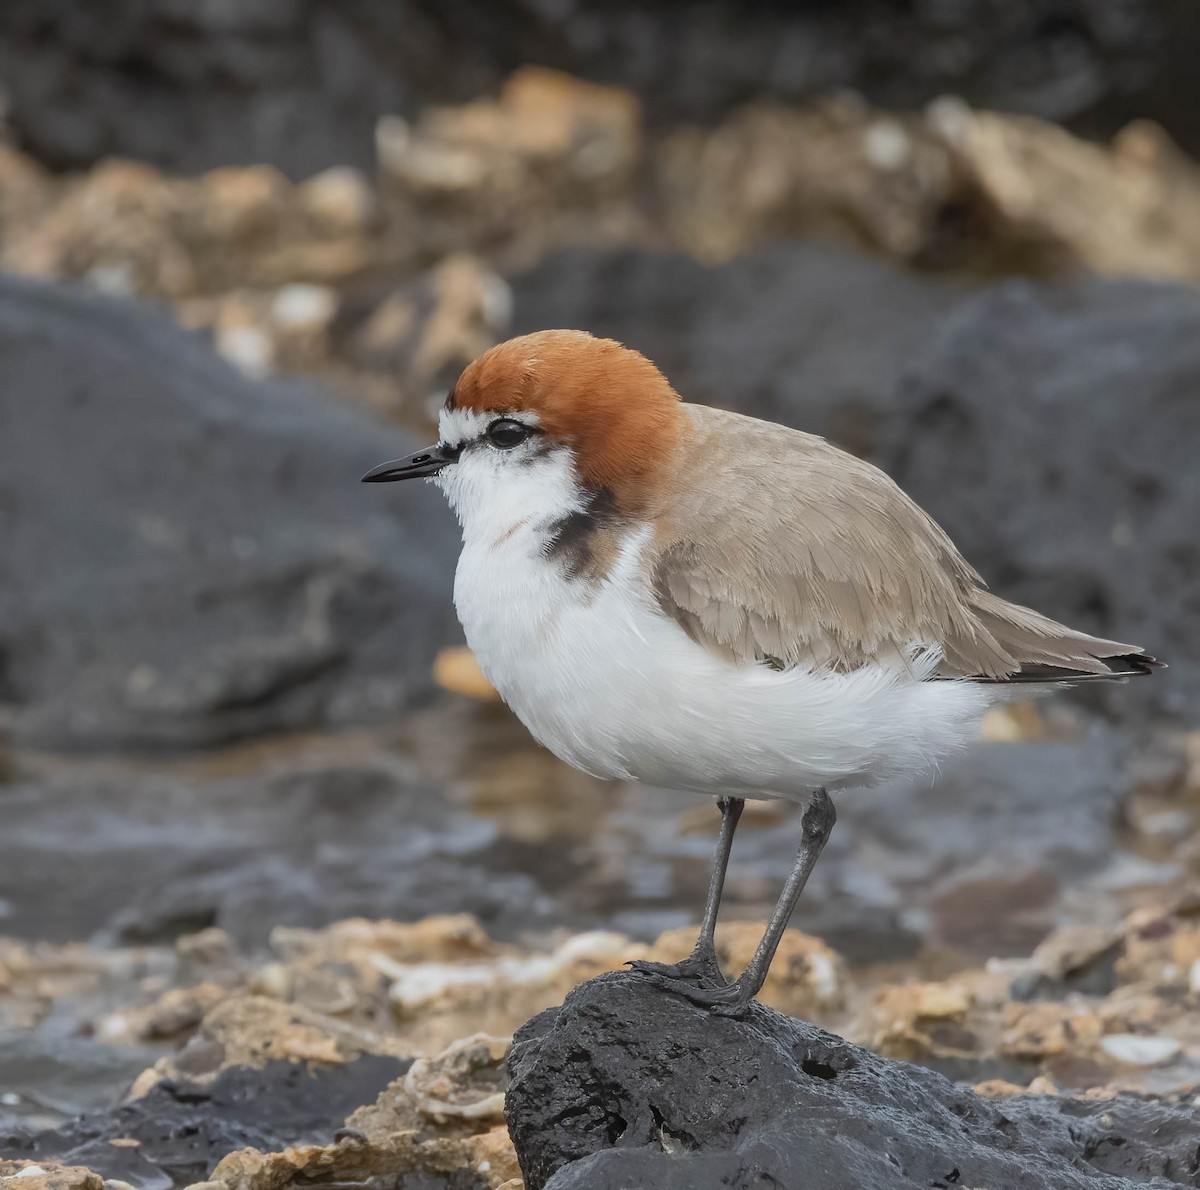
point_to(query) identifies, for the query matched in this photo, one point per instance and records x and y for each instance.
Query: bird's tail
(1047, 651)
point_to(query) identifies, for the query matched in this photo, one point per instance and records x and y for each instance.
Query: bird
(677, 594)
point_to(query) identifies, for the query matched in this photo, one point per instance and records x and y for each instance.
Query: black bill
(421, 465)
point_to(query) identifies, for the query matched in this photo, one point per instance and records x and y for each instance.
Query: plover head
(549, 423)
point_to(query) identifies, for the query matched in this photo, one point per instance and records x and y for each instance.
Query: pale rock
(455, 669)
(339, 201)
(1134, 1050)
(304, 307)
(249, 348)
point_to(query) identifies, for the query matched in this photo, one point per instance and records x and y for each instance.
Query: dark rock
(626, 1085)
(188, 556)
(183, 1130)
(300, 82)
(1053, 433)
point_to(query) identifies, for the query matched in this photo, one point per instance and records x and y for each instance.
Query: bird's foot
(727, 999)
(699, 969)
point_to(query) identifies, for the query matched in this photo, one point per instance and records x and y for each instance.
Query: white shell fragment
(1134, 1050)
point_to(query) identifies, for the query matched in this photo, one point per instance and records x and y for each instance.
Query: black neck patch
(577, 540)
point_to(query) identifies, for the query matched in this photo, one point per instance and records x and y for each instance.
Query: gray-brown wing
(787, 550)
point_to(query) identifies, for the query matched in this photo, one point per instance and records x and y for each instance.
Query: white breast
(611, 685)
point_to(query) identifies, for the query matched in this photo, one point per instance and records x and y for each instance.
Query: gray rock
(1053, 432)
(626, 1085)
(188, 556)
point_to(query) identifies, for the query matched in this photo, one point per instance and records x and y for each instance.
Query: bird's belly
(614, 687)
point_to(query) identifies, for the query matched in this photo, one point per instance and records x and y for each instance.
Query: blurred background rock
(249, 245)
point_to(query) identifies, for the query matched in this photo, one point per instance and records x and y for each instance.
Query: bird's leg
(702, 962)
(732, 999)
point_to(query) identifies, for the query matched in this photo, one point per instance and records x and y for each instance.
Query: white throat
(494, 494)
(492, 498)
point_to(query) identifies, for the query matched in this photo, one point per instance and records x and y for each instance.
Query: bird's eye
(507, 433)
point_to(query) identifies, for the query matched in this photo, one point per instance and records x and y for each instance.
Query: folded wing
(811, 557)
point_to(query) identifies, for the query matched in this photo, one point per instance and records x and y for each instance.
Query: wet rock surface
(53, 1078)
(624, 1085)
(177, 1131)
(302, 836)
(161, 586)
(158, 857)
(1013, 825)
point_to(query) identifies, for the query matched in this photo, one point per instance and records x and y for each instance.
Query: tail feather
(1046, 651)
(1117, 668)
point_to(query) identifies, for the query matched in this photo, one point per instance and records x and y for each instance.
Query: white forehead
(456, 426)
